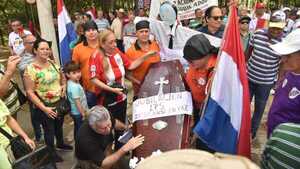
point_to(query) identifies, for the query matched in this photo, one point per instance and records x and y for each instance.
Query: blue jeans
(77, 123)
(261, 94)
(35, 121)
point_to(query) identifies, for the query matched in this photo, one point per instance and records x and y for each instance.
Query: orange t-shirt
(197, 80)
(132, 53)
(81, 55)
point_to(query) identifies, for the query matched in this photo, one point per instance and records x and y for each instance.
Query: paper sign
(169, 104)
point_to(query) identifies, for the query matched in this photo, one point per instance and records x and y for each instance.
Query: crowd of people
(94, 81)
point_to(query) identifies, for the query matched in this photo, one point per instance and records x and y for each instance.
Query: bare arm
(136, 63)
(79, 107)
(30, 88)
(130, 145)
(12, 123)
(11, 68)
(103, 86)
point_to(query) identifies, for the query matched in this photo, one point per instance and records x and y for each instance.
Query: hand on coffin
(118, 91)
(133, 143)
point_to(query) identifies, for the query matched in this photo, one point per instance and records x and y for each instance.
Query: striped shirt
(114, 73)
(264, 62)
(283, 148)
(11, 97)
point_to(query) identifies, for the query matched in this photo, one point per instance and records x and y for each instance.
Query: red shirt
(114, 73)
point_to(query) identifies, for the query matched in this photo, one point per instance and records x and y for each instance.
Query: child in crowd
(75, 94)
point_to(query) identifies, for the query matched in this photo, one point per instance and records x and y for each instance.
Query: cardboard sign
(170, 104)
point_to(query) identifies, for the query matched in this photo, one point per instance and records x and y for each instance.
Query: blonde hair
(102, 38)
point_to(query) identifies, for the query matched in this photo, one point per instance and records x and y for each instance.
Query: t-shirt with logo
(286, 104)
(197, 81)
(16, 42)
(115, 73)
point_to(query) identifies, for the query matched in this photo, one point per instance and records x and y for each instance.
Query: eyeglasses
(217, 18)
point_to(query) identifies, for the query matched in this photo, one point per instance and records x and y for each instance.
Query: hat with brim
(290, 44)
(280, 25)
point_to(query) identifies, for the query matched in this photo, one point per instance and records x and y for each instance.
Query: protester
(213, 17)
(202, 57)
(142, 46)
(243, 11)
(111, 17)
(45, 86)
(93, 144)
(290, 21)
(76, 95)
(77, 19)
(225, 14)
(107, 72)
(140, 16)
(10, 97)
(282, 149)
(198, 21)
(81, 55)
(15, 41)
(86, 17)
(286, 103)
(117, 27)
(263, 66)
(101, 22)
(80, 34)
(260, 18)
(129, 28)
(7, 122)
(245, 34)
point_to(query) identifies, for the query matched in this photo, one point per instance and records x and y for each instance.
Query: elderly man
(95, 138)
(260, 18)
(244, 30)
(142, 46)
(263, 65)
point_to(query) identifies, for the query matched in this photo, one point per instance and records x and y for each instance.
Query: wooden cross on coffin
(162, 78)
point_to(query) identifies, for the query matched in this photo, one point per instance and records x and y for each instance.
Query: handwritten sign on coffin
(163, 108)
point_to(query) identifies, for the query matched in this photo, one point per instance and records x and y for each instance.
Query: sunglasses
(217, 18)
(245, 23)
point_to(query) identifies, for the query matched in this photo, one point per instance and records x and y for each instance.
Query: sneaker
(65, 147)
(57, 158)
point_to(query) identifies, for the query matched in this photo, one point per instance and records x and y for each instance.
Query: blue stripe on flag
(224, 136)
(65, 52)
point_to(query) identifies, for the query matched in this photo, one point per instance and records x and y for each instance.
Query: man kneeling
(95, 138)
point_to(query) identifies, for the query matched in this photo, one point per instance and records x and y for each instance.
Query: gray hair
(98, 114)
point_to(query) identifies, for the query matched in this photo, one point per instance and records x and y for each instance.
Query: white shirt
(16, 42)
(181, 34)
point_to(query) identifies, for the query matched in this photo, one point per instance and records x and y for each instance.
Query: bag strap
(6, 134)
(54, 66)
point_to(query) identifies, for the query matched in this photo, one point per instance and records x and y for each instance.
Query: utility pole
(47, 26)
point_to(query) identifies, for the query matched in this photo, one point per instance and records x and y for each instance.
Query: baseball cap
(121, 10)
(277, 20)
(197, 47)
(242, 18)
(290, 44)
(259, 5)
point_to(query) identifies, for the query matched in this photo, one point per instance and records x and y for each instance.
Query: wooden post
(47, 26)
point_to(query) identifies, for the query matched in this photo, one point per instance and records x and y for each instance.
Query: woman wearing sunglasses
(214, 22)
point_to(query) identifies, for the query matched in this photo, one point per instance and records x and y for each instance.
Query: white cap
(286, 9)
(277, 20)
(290, 44)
